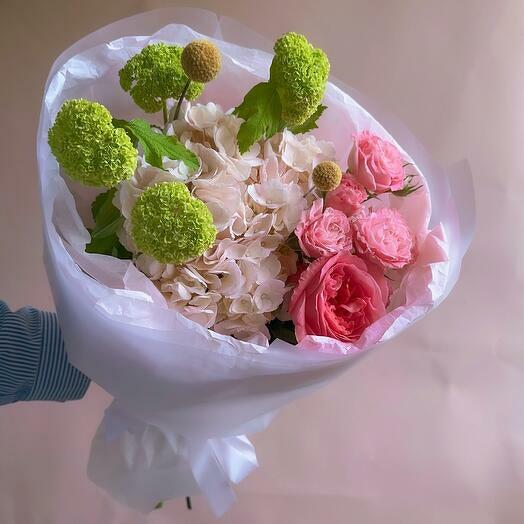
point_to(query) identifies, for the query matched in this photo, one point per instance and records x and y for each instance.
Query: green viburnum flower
(300, 73)
(291, 98)
(170, 225)
(155, 75)
(88, 146)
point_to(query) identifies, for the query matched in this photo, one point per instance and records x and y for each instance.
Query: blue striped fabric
(33, 361)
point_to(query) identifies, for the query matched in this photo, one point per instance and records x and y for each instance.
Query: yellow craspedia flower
(201, 61)
(327, 176)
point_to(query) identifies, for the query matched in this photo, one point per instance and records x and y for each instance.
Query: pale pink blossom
(304, 152)
(204, 116)
(242, 329)
(242, 304)
(348, 197)
(376, 163)
(268, 268)
(269, 295)
(222, 196)
(285, 199)
(226, 278)
(384, 237)
(322, 233)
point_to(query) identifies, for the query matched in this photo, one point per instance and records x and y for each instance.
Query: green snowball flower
(300, 73)
(170, 225)
(88, 146)
(154, 75)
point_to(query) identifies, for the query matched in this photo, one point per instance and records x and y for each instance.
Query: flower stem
(164, 111)
(310, 191)
(371, 196)
(179, 104)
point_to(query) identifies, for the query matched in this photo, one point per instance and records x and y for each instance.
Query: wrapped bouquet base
(185, 396)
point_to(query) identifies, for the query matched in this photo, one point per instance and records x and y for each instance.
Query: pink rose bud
(348, 197)
(375, 163)
(338, 297)
(384, 237)
(322, 233)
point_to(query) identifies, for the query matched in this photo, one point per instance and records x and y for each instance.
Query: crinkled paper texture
(178, 387)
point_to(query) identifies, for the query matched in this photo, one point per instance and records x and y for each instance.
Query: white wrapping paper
(185, 397)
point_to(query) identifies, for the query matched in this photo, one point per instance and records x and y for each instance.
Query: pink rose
(384, 237)
(347, 197)
(376, 163)
(338, 297)
(323, 233)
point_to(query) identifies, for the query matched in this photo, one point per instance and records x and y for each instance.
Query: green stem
(164, 111)
(182, 96)
(310, 191)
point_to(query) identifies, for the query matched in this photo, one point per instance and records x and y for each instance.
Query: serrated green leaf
(104, 212)
(108, 229)
(101, 202)
(157, 145)
(262, 113)
(310, 123)
(108, 220)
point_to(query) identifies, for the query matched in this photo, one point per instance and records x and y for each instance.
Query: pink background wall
(430, 428)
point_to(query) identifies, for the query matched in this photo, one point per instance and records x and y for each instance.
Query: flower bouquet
(225, 230)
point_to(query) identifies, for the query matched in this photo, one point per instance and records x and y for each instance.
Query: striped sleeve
(33, 360)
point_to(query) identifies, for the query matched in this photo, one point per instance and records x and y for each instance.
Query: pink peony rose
(376, 163)
(338, 297)
(322, 233)
(347, 197)
(384, 237)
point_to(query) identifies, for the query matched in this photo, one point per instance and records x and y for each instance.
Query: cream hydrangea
(256, 199)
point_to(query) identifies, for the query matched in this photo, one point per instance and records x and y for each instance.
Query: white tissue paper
(185, 397)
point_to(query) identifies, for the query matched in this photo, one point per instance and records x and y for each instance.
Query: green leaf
(284, 330)
(262, 111)
(105, 214)
(310, 123)
(108, 220)
(292, 243)
(409, 187)
(157, 145)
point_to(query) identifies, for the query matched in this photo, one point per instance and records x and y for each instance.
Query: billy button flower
(170, 225)
(201, 61)
(327, 176)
